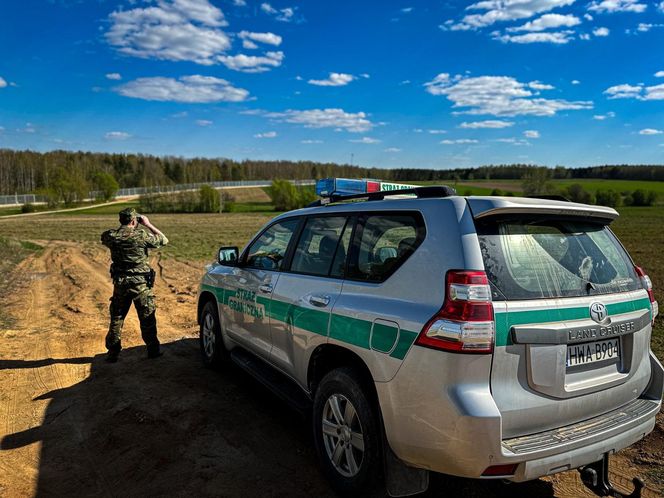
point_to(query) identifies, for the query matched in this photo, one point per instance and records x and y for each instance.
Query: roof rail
(420, 192)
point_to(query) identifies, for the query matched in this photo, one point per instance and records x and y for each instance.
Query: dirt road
(71, 424)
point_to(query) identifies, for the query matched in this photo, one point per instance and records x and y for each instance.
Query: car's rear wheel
(345, 432)
(212, 346)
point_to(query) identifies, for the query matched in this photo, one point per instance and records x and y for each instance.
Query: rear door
(573, 322)
(305, 295)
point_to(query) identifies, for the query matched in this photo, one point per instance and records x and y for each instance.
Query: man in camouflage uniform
(132, 279)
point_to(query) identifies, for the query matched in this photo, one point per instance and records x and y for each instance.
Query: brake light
(465, 322)
(647, 285)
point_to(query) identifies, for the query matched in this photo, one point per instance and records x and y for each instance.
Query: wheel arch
(204, 298)
(327, 357)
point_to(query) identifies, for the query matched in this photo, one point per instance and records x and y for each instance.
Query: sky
(412, 83)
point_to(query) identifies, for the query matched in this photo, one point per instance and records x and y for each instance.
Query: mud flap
(400, 479)
(596, 478)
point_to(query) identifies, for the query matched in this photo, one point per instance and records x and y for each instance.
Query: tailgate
(573, 321)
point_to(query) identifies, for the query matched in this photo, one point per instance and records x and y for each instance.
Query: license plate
(593, 352)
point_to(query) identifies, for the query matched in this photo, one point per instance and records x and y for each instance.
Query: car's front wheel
(212, 346)
(346, 432)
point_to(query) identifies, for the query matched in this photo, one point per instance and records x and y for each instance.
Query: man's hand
(144, 220)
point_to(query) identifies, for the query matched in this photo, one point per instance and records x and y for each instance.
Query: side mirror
(228, 256)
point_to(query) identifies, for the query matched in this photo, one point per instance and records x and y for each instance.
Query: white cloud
(602, 117)
(660, 7)
(177, 30)
(639, 92)
(601, 31)
(392, 149)
(459, 141)
(252, 63)
(311, 141)
(325, 118)
(531, 134)
(505, 10)
(612, 6)
(513, 141)
(497, 96)
(284, 15)
(659, 74)
(584, 36)
(366, 140)
(240, 3)
(117, 135)
(334, 79)
(267, 134)
(248, 38)
(204, 122)
(650, 131)
(29, 128)
(189, 89)
(556, 37)
(3, 83)
(548, 21)
(489, 123)
(575, 82)
(587, 17)
(114, 76)
(407, 10)
(435, 132)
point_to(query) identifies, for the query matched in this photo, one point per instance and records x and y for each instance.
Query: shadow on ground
(170, 427)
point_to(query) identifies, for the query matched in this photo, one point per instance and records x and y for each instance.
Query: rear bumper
(456, 429)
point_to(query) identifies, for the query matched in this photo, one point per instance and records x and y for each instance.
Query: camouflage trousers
(143, 298)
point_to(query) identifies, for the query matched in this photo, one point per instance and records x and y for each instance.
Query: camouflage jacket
(129, 249)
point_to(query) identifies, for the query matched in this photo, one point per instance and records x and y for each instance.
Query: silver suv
(483, 337)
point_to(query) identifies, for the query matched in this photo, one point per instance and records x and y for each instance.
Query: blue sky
(434, 84)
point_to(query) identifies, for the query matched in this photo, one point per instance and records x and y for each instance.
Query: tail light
(647, 285)
(465, 322)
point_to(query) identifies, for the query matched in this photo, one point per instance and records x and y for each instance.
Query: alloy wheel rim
(208, 335)
(342, 435)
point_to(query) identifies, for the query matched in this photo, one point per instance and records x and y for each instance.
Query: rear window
(549, 259)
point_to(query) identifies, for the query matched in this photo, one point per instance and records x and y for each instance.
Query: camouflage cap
(126, 215)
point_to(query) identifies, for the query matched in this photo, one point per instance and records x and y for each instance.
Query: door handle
(319, 301)
(265, 289)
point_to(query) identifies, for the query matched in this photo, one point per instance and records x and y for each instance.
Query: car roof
(480, 206)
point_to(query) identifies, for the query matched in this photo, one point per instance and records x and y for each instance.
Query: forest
(71, 175)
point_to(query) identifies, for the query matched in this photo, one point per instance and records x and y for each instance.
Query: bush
(286, 196)
(210, 201)
(642, 197)
(28, 208)
(576, 193)
(609, 198)
(497, 192)
(106, 186)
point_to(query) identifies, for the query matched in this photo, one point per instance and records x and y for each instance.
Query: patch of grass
(12, 252)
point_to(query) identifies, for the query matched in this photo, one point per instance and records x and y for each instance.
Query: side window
(318, 246)
(386, 242)
(268, 251)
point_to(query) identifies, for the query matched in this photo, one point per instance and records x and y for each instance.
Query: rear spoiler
(483, 207)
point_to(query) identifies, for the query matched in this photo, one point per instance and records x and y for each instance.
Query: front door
(250, 287)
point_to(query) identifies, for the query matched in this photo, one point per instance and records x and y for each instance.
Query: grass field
(197, 237)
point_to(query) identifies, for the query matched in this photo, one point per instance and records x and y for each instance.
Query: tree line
(69, 176)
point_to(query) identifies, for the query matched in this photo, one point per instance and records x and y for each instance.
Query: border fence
(20, 199)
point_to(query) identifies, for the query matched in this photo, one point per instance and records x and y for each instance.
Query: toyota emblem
(598, 312)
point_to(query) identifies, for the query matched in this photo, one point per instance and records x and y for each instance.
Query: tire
(210, 339)
(348, 452)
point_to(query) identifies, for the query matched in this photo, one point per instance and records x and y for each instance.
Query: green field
(196, 237)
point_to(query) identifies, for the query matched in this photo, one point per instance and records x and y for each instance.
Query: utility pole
(352, 156)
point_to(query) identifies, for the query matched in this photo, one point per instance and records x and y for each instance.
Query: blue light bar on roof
(327, 187)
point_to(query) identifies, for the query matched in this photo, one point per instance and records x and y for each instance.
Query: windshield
(553, 258)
